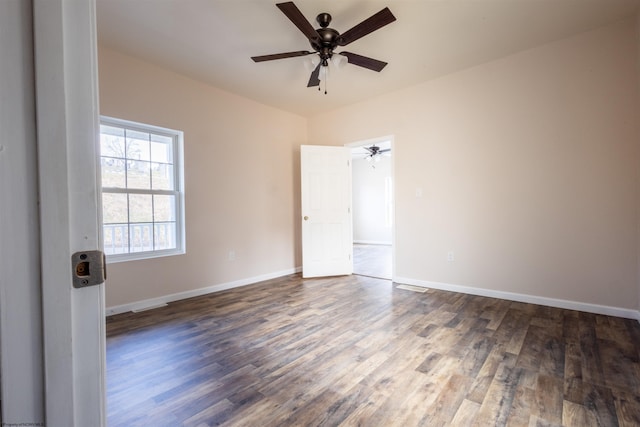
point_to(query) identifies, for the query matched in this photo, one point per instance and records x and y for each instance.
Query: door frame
(20, 291)
(371, 141)
(66, 87)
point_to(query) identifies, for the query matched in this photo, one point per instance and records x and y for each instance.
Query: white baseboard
(551, 302)
(531, 299)
(371, 242)
(162, 300)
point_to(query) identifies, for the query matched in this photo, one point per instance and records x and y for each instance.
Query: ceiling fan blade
(280, 56)
(363, 61)
(314, 80)
(369, 25)
(293, 13)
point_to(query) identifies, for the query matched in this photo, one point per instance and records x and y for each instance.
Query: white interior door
(327, 236)
(67, 135)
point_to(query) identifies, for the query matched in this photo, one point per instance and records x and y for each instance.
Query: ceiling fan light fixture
(308, 64)
(324, 73)
(338, 60)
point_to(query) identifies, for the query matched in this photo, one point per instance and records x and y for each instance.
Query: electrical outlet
(232, 255)
(451, 256)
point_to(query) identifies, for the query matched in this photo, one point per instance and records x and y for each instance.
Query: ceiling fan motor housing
(327, 38)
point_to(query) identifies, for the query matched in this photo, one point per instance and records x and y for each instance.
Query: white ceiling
(213, 40)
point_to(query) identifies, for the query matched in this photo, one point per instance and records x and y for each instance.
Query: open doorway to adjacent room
(373, 201)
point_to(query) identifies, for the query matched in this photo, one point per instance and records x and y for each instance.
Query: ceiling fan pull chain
(326, 80)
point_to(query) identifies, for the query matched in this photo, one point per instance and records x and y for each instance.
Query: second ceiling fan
(325, 40)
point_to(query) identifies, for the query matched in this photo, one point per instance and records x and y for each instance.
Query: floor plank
(356, 351)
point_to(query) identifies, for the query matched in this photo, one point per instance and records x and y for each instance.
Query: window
(142, 190)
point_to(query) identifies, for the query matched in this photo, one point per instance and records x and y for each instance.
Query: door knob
(306, 217)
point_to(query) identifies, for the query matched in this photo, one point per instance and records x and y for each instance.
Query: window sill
(139, 256)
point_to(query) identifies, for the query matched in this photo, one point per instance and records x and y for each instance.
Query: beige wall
(241, 177)
(528, 168)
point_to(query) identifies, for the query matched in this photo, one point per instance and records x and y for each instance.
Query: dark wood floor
(357, 351)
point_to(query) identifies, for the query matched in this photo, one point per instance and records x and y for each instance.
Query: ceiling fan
(325, 40)
(375, 153)
(374, 150)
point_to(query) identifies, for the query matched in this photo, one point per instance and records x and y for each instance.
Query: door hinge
(88, 268)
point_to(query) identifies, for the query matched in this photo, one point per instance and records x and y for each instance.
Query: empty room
(503, 139)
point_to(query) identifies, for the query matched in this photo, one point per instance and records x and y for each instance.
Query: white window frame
(178, 165)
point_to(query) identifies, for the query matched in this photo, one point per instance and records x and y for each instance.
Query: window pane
(162, 176)
(165, 235)
(140, 208)
(116, 239)
(113, 175)
(114, 208)
(137, 162)
(141, 236)
(138, 174)
(112, 142)
(164, 208)
(161, 149)
(138, 145)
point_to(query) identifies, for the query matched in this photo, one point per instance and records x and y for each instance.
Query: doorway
(373, 201)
